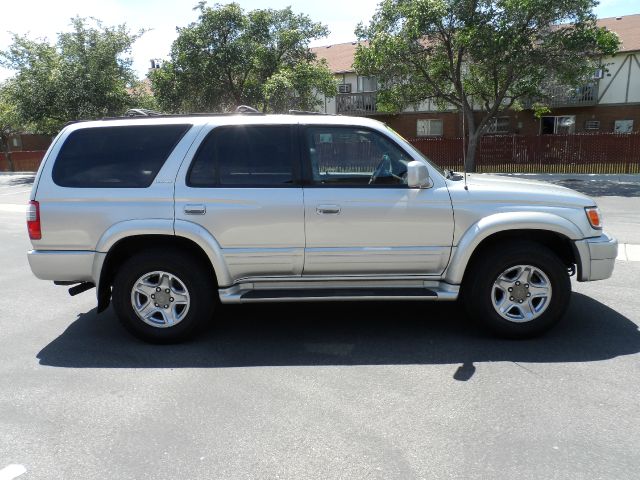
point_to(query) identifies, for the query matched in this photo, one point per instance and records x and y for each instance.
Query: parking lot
(351, 390)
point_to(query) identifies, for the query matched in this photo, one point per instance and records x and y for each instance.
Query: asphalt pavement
(321, 391)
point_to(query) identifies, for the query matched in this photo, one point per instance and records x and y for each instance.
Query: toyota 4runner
(169, 216)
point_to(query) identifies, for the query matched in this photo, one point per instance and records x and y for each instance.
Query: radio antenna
(464, 148)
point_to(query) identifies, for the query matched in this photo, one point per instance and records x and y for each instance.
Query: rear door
(242, 185)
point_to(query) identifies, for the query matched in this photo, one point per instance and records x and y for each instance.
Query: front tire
(518, 291)
(163, 297)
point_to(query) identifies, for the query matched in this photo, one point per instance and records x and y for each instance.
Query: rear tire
(163, 297)
(517, 291)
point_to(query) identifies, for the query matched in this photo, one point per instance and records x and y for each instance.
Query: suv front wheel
(518, 291)
(163, 297)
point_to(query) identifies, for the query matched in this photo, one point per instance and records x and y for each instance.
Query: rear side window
(244, 156)
(115, 157)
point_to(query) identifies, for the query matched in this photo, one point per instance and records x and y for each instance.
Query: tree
(230, 57)
(9, 121)
(482, 55)
(85, 75)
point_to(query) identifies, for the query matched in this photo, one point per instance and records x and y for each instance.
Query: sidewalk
(583, 177)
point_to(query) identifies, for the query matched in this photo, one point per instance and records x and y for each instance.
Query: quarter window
(345, 156)
(244, 156)
(115, 157)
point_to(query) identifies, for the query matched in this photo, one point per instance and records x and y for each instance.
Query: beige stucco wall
(621, 82)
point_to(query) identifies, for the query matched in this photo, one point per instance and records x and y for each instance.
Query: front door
(242, 187)
(360, 216)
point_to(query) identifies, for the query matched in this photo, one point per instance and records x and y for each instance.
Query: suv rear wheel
(163, 297)
(518, 291)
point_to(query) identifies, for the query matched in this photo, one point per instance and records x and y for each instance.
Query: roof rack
(142, 112)
(304, 112)
(245, 109)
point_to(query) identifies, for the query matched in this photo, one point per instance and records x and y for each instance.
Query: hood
(501, 189)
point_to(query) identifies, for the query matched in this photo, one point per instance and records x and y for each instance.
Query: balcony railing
(584, 96)
(364, 103)
(356, 103)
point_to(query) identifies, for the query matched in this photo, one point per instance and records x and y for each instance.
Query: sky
(45, 18)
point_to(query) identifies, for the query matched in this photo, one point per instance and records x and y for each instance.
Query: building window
(430, 128)
(623, 126)
(498, 125)
(367, 84)
(592, 125)
(560, 125)
(344, 88)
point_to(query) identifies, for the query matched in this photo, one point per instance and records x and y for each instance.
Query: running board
(248, 294)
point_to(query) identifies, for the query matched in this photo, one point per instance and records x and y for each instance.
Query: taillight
(33, 220)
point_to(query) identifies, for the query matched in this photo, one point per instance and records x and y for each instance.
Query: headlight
(595, 219)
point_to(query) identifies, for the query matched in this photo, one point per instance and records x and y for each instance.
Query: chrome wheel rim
(160, 299)
(521, 293)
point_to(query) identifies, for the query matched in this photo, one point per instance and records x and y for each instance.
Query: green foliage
(9, 121)
(231, 57)
(487, 55)
(85, 75)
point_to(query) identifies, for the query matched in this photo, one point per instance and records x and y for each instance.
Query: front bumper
(597, 257)
(66, 265)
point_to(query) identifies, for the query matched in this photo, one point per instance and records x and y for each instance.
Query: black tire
(478, 294)
(196, 279)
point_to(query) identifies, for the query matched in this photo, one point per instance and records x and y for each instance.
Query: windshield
(403, 141)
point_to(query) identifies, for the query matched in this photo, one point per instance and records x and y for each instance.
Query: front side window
(351, 156)
(115, 157)
(244, 156)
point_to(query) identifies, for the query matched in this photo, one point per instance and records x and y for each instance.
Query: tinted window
(115, 157)
(353, 156)
(244, 156)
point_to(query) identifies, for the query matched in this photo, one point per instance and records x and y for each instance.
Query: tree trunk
(473, 142)
(472, 150)
(7, 152)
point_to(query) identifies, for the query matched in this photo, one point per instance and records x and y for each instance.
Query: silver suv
(169, 216)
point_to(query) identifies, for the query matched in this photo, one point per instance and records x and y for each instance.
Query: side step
(238, 294)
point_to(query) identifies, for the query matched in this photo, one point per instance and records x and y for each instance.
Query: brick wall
(523, 122)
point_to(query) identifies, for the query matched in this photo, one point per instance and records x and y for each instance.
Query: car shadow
(17, 180)
(345, 334)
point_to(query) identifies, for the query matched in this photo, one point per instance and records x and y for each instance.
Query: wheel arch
(128, 246)
(550, 230)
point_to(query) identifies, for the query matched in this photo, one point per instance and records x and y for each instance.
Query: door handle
(328, 209)
(195, 209)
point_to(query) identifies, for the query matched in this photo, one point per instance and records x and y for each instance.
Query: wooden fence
(581, 153)
(22, 161)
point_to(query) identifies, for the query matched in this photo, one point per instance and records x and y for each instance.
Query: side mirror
(418, 175)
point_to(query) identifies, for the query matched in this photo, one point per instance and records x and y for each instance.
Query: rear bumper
(597, 257)
(63, 265)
